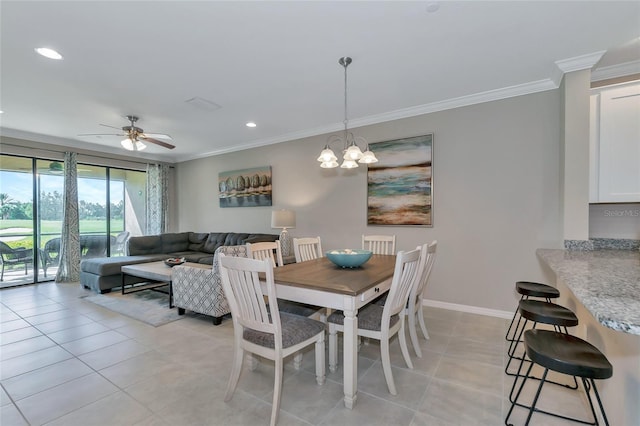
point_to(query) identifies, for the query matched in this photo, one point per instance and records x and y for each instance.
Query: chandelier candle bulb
(284, 219)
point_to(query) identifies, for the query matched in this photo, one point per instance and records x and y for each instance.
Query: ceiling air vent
(203, 104)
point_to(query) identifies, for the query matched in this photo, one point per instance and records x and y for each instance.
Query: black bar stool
(565, 354)
(539, 312)
(528, 289)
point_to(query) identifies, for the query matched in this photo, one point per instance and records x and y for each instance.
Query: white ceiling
(275, 63)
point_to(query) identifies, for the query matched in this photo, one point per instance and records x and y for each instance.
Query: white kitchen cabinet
(615, 144)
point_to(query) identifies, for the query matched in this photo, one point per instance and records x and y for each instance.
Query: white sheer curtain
(69, 266)
(157, 198)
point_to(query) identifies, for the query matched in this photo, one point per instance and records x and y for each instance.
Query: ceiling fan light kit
(132, 145)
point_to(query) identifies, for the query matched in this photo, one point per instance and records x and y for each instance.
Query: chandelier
(352, 154)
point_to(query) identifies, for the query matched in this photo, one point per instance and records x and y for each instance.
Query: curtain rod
(90, 155)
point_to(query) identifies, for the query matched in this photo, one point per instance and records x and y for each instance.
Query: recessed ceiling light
(251, 124)
(48, 53)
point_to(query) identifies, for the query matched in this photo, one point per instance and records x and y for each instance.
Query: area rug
(151, 307)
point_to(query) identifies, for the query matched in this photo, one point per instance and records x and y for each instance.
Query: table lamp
(284, 219)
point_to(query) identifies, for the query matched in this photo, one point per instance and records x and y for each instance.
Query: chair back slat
(404, 276)
(428, 257)
(307, 248)
(247, 301)
(266, 250)
(379, 244)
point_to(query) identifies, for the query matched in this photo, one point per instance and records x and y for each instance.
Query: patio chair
(50, 254)
(14, 256)
(119, 244)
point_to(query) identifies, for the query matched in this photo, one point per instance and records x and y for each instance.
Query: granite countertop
(606, 282)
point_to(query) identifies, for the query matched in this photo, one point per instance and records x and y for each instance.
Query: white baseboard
(467, 308)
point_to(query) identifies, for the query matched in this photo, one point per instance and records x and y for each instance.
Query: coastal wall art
(245, 188)
(400, 184)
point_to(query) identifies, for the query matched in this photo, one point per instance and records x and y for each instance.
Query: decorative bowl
(349, 258)
(173, 261)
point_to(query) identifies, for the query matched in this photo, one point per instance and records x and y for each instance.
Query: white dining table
(319, 282)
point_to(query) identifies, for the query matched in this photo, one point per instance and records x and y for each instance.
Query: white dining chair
(307, 248)
(266, 250)
(273, 252)
(379, 244)
(383, 322)
(414, 305)
(267, 333)
(413, 310)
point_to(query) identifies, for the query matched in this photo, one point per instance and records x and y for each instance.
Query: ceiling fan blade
(157, 142)
(156, 135)
(113, 127)
(102, 134)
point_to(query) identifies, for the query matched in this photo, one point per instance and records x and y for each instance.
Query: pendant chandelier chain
(346, 119)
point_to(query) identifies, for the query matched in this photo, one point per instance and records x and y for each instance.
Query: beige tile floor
(65, 361)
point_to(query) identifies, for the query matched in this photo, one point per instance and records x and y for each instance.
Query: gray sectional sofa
(103, 274)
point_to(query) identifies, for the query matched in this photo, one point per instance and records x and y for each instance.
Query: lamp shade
(283, 219)
(132, 145)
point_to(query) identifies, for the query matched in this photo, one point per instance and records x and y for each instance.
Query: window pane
(92, 210)
(124, 190)
(16, 220)
(132, 187)
(50, 190)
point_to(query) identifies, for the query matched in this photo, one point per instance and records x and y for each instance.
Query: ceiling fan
(134, 136)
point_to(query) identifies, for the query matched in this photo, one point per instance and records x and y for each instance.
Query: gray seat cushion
(296, 308)
(369, 317)
(295, 329)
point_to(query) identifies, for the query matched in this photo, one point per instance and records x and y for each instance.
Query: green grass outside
(52, 228)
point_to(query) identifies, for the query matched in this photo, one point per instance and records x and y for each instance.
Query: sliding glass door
(111, 207)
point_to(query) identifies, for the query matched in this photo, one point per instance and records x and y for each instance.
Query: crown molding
(563, 66)
(615, 71)
(579, 63)
(477, 98)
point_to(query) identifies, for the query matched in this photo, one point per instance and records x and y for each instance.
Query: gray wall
(496, 195)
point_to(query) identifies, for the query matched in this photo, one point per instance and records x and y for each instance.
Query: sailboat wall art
(400, 184)
(245, 188)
